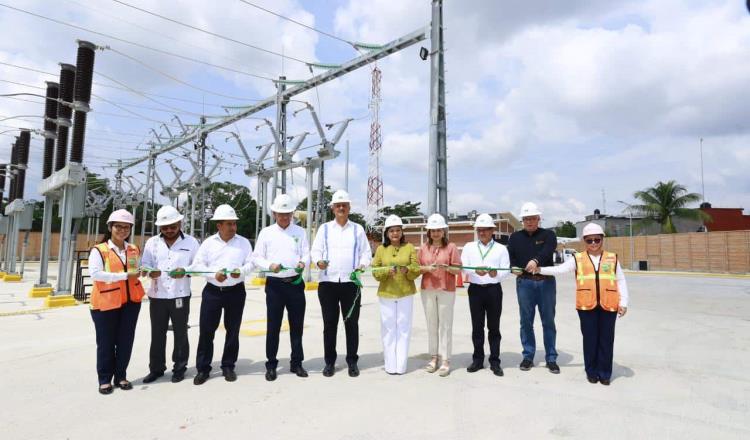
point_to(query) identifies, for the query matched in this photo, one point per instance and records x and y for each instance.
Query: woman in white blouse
(601, 296)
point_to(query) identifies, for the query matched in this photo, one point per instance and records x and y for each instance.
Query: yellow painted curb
(40, 292)
(245, 331)
(60, 301)
(258, 281)
(2, 274)
(690, 274)
(311, 285)
(24, 312)
(12, 277)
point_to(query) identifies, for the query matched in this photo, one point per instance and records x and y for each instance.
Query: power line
(143, 46)
(299, 23)
(252, 46)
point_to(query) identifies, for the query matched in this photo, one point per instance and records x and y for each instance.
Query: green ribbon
(299, 270)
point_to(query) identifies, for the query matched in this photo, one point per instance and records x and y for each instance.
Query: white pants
(438, 311)
(395, 328)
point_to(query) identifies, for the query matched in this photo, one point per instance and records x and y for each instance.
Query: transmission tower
(374, 182)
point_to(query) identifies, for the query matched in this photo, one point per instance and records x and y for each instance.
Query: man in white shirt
(340, 247)
(485, 291)
(226, 258)
(282, 249)
(169, 298)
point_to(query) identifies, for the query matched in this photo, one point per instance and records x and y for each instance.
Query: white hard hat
(484, 221)
(436, 221)
(167, 215)
(529, 209)
(282, 204)
(224, 212)
(340, 196)
(122, 216)
(592, 229)
(393, 220)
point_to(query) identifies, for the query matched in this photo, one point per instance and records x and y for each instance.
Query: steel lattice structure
(374, 181)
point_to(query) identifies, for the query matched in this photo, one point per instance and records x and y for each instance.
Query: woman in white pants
(397, 269)
(439, 292)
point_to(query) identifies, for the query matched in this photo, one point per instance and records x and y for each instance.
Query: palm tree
(666, 201)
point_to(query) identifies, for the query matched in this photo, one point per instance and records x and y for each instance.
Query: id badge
(178, 303)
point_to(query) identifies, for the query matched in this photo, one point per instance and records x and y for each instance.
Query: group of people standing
(341, 251)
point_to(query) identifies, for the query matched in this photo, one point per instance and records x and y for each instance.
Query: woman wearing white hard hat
(438, 292)
(396, 293)
(115, 300)
(601, 296)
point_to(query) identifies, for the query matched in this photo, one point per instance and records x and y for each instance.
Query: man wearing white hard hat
(485, 291)
(601, 296)
(169, 297)
(115, 300)
(280, 249)
(340, 246)
(529, 249)
(226, 257)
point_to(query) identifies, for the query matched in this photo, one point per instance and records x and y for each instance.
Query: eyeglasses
(593, 240)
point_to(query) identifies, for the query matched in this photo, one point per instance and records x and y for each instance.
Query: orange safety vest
(597, 287)
(109, 296)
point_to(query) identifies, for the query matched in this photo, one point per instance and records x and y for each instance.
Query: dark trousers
(232, 301)
(282, 294)
(486, 301)
(115, 331)
(161, 312)
(542, 294)
(335, 299)
(598, 330)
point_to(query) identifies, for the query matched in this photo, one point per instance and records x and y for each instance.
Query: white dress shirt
(215, 254)
(570, 266)
(345, 248)
(158, 255)
(96, 264)
(287, 247)
(495, 255)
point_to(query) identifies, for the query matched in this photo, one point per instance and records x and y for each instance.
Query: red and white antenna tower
(374, 182)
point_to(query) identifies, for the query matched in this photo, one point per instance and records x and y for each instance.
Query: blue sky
(548, 101)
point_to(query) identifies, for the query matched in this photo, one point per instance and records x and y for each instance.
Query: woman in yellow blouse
(396, 293)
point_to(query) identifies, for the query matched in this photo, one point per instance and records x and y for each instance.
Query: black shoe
(475, 366)
(152, 376)
(496, 369)
(553, 368)
(299, 370)
(177, 377)
(592, 379)
(604, 382)
(229, 374)
(106, 390)
(200, 378)
(526, 365)
(353, 370)
(270, 374)
(124, 384)
(329, 370)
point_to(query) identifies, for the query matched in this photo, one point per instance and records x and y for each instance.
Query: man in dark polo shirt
(529, 249)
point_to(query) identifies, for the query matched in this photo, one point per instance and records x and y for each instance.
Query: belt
(283, 279)
(226, 288)
(535, 277)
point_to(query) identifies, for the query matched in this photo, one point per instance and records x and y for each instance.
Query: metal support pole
(346, 170)
(149, 176)
(258, 207)
(13, 243)
(437, 187)
(64, 282)
(308, 226)
(202, 218)
(280, 151)
(23, 252)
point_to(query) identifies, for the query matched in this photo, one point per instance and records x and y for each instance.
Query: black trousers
(115, 331)
(162, 311)
(230, 300)
(598, 330)
(282, 294)
(335, 299)
(486, 300)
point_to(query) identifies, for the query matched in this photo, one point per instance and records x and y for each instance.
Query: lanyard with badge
(489, 249)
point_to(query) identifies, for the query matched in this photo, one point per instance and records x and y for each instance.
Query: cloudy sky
(548, 101)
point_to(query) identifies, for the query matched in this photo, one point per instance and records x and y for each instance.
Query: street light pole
(703, 186)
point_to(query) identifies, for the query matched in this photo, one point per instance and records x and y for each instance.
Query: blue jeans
(542, 294)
